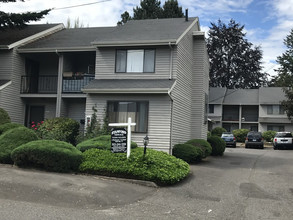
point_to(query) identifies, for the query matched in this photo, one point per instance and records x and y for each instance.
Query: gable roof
(271, 95)
(241, 96)
(12, 37)
(146, 32)
(68, 40)
(216, 95)
(129, 86)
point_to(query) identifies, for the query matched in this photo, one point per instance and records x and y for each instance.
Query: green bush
(188, 153)
(100, 142)
(50, 155)
(4, 117)
(240, 134)
(155, 166)
(13, 139)
(8, 126)
(203, 144)
(61, 129)
(209, 134)
(269, 135)
(218, 145)
(218, 131)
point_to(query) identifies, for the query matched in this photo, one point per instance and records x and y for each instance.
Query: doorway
(34, 114)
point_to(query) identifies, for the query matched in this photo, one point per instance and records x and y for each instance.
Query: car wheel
(275, 148)
(246, 146)
(234, 145)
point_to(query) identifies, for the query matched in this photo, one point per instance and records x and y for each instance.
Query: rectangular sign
(118, 140)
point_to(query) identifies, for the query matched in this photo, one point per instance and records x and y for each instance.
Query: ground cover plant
(8, 126)
(13, 139)
(100, 142)
(218, 145)
(50, 155)
(188, 153)
(4, 117)
(155, 166)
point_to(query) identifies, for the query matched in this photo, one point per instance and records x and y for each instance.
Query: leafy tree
(285, 72)
(234, 63)
(151, 9)
(19, 19)
(77, 23)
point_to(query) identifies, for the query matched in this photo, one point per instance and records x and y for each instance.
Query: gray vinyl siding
(6, 58)
(105, 64)
(200, 89)
(181, 122)
(10, 96)
(76, 110)
(159, 116)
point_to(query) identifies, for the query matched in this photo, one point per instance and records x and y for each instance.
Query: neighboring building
(154, 71)
(253, 109)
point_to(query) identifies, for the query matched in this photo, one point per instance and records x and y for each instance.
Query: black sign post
(118, 140)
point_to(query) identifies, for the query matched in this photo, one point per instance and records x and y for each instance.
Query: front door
(34, 114)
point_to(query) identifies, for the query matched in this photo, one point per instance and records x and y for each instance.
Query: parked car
(283, 140)
(254, 139)
(229, 138)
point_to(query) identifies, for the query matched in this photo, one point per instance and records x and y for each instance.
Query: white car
(283, 140)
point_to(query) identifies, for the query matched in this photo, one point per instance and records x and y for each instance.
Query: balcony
(48, 84)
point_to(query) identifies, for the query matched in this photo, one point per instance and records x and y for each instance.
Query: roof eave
(134, 43)
(128, 91)
(58, 49)
(187, 29)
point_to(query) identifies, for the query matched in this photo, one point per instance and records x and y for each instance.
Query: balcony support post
(240, 116)
(59, 86)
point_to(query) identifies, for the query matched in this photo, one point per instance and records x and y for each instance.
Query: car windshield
(227, 135)
(283, 135)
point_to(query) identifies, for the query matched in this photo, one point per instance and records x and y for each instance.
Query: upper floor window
(211, 108)
(275, 110)
(135, 61)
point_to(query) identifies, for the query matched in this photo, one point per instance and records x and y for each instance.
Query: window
(135, 61)
(275, 110)
(276, 128)
(211, 108)
(120, 111)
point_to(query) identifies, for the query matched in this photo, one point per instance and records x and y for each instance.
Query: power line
(75, 6)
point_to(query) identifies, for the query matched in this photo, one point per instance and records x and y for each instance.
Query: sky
(267, 22)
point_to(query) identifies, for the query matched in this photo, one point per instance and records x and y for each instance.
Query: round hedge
(269, 135)
(155, 166)
(218, 131)
(240, 134)
(218, 145)
(188, 152)
(203, 144)
(9, 126)
(100, 142)
(61, 129)
(12, 139)
(50, 155)
(4, 117)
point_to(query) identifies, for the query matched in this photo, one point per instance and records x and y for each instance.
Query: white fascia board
(128, 91)
(5, 85)
(134, 43)
(37, 36)
(53, 50)
(188, 29)
(199, 34)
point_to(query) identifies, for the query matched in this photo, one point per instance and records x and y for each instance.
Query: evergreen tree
(171, 9)
(234, 63)
(19, 19)
(285, 74)
(151, 9)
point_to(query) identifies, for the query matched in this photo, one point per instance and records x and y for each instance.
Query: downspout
(171, 61)
(171, 118)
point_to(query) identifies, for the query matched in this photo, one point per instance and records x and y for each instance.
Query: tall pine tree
(234, 63)
(151, 9)
(19, 19)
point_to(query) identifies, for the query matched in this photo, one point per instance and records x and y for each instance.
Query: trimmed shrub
(240, 134)
(4, 117)
(218, 145)
(12, 139)
(101, 142)
(9, 126)
(50, 155)
(218, 131)
(188, 152)
(203, 144)
(61, 129)
(155, 166)
(269, 135)
(209, 134)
